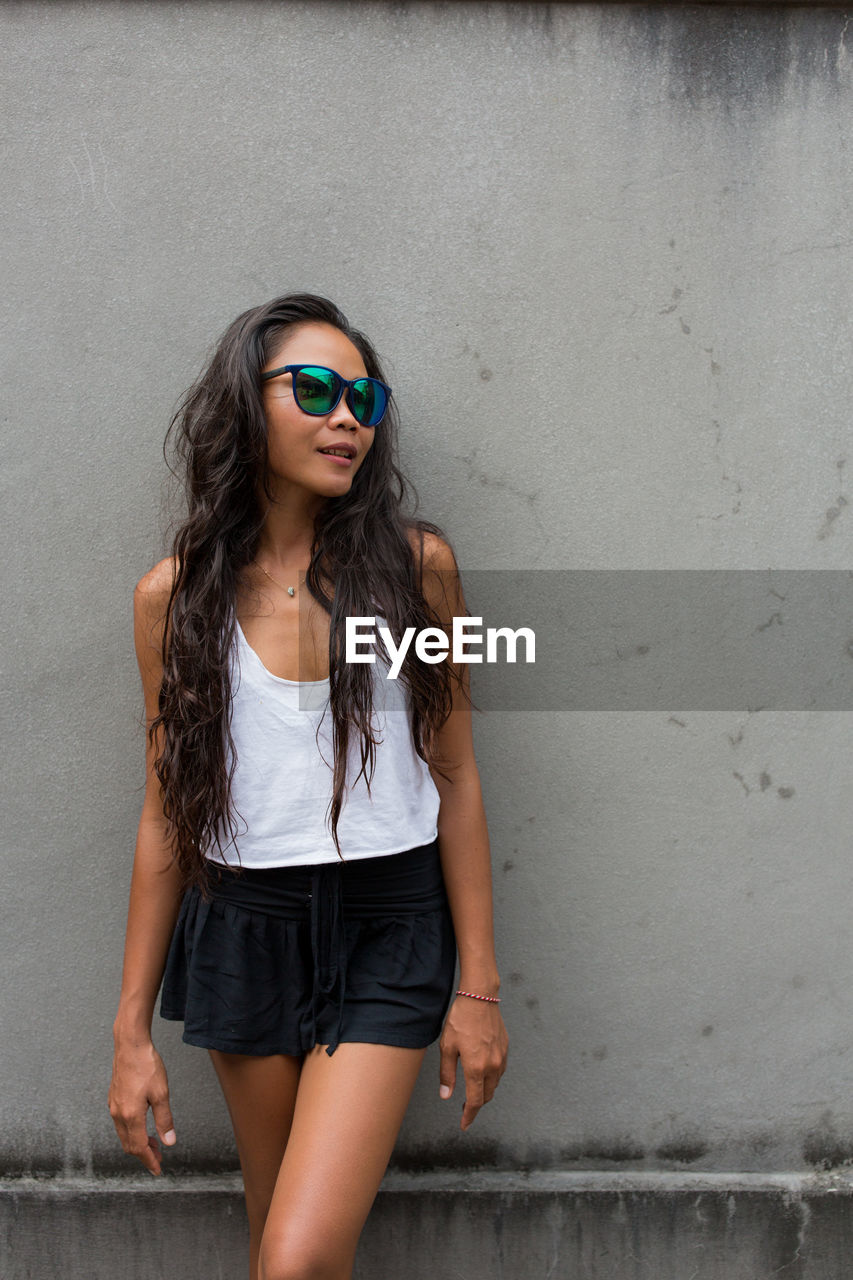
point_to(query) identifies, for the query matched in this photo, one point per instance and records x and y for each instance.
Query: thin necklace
(291, 591)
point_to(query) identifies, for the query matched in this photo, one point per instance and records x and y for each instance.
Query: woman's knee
(281, 1259)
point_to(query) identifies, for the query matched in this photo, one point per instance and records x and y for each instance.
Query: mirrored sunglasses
(318, 390)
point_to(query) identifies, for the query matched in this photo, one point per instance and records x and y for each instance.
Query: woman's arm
(139, 1077)
(474, 1029)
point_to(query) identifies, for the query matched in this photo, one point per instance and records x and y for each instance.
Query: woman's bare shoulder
(150, 606)
(438, 572)
(152, 592)
(430, 549)
(158, 581)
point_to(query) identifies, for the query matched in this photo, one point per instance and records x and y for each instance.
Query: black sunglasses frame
(344, 387)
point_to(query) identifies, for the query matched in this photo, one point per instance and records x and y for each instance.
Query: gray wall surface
(605, 251)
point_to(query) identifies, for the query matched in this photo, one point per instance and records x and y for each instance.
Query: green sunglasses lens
(368, 401)
(316, 390)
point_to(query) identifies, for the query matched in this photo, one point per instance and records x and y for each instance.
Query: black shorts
(282, 959)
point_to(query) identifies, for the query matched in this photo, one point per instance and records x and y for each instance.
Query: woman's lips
(342, 461)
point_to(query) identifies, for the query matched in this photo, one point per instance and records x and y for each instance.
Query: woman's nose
(342, 415)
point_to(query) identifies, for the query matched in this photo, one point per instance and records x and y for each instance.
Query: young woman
(312, 848)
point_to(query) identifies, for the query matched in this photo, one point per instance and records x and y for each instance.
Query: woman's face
(296, 440)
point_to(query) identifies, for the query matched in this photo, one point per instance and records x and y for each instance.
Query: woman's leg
(349, 1108)
(261, 1094)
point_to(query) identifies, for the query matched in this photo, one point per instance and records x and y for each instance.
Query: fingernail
(444, 1091)
(170, 1138)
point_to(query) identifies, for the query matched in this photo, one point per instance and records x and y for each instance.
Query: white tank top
(282, 784)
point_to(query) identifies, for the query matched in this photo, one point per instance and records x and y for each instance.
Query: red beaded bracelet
(491, 999)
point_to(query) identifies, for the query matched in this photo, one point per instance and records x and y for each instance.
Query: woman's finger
(145, 1148)
(474, 1099)
(489, 1085)
(163, 1121)
(447, 1069)
(133, 1135)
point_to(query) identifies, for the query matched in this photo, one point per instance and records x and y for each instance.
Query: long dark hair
(361, 549)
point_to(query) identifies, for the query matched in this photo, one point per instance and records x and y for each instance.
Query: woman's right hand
(139, 1077)
(139, 1081)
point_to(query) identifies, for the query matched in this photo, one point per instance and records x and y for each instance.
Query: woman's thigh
(260, 1093)
(348, 1113)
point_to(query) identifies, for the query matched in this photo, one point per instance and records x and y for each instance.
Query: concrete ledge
(474, 1226)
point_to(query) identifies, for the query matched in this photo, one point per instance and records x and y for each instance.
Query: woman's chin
(336, 489)
(335, 486)
(320, 489)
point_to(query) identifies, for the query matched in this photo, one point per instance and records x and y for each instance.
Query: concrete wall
(474, 1226)
(606, 253)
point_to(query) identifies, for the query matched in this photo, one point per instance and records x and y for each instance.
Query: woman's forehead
(316, 343)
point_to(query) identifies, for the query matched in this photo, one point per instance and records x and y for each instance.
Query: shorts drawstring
(328, 944)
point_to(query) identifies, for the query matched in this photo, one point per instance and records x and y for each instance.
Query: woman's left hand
(473, 1031)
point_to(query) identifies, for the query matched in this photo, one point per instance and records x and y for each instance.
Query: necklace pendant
(291, 591)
